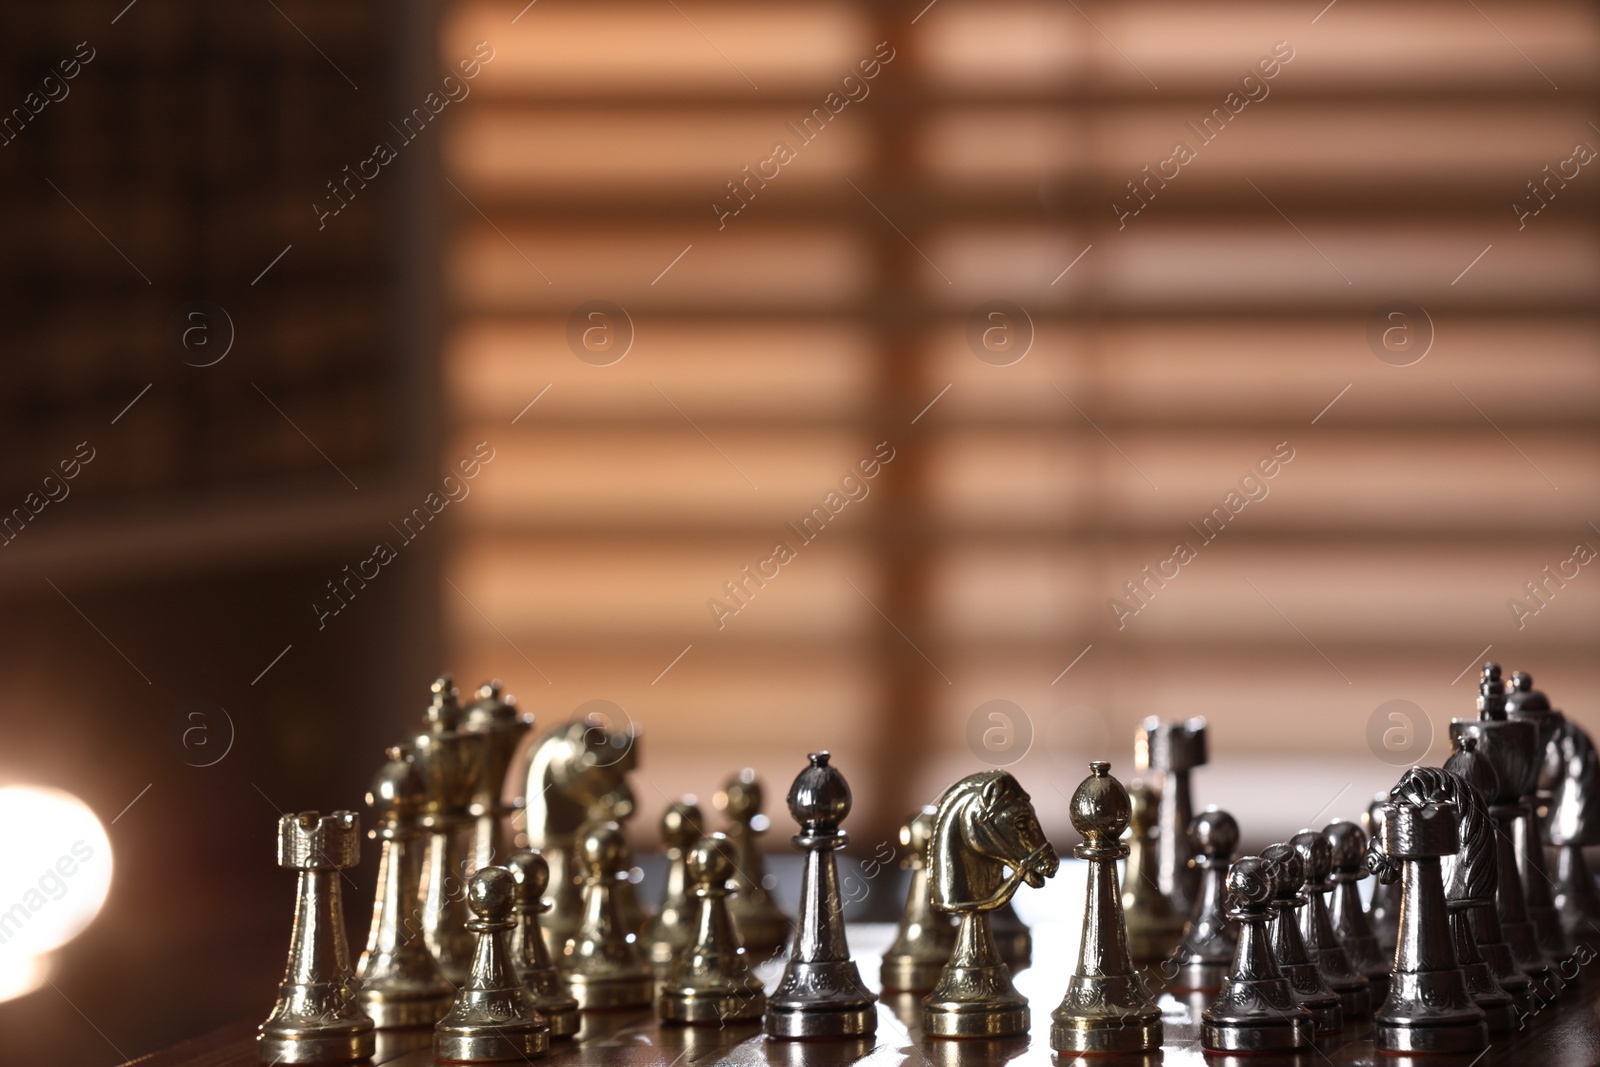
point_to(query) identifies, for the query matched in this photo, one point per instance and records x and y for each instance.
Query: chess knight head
(986, 840)
(577, 773)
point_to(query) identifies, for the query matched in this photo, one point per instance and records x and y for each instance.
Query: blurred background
(1222, 359)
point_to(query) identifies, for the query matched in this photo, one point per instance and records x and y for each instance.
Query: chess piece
(530, 956)
(762, 925)
(574, 773)
(1383, 911)
(1255, 1010)
(452, 762)
(1172, 750)
(1316, 929)
(400, 981)
(602, 966)
(1210, 938)
(494, 713)
(821, 993)
(1106, 1007)
(711, 981)
(1289, 948)
(1154, 925)
(625, 894)
(1527, 704)
(1465, 782)
(1348, 850)
(986, 842)
(672, 929)
(493, 1018)
(925, 937)
(318, 1016)
(1511, 749)
(1428, 1008)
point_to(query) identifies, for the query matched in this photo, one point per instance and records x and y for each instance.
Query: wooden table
(1567, 1034)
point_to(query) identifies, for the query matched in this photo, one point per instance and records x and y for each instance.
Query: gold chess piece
(1154, 926)
(925, 938)
(318, 1016)
(672, 929)
(986, 842)
(762, 925)
(529, 955)
(493, 1019)
(452, 761)
(494, 713)
(602, 965)
(711, 980)
(1106, 1007)
(400, 981)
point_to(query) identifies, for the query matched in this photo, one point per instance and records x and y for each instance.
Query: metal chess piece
(1154, 924)
(495, 714)
(1256, 1010)
(400, 981)
(318, 1016)
(1511, 748)
(1383, 911)
(575, 772)
(1106, 1007)
(530, 957)
(493, 1019)
(1316, 929)
(672, 929)
(1210, 938)
(630, 913)
(1465, 782)
(1172, 750)
(602, 966)
(821, 994)
(711, 981)
(1569, 793)
(1348, 851)
(452, 762)
(925, 938)
(762, 925)
(1524, 703)
(1289, 948)
(1428, 1008)
(986, 842)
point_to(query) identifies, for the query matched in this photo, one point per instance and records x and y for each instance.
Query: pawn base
(1106, 1035)
(798, 1024)
(400, 1012)
(904, 974)
(1199, 977)
(564, 1021)
(1009, 1020)
(1393, 1037)
(491, 1044)
(1281, 1034)
(1356, 1001)
(343, 1046)
(612, 993)
(699, 1008)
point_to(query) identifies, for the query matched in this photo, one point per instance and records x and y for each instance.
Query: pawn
(1106, 1007)
(1316, 929)
(1289, 948)
(672, 929)
(1210, 939)
(1347, 845)
(762, 925)
(1256, 1010)
(925, 938)
(711, 982)
(1154, 925)
(493, 1019)
(318, 1017)
(821, 993)
(603, 967)
(529, 955)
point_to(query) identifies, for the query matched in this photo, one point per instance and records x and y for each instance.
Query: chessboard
(1567, 1034)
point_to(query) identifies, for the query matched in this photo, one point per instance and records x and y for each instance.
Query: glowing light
(55, 878)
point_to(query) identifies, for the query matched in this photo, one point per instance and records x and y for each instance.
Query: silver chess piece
(493, 1019)
(494, 713)
(1571, 779)
(318, 1016)
(1289, 948)
(530, 957)
(1256, 1009)
(1428, 1008)
(1171, 750)
(672, 929)
(1211, 938)
(1106, 1007)
(762, 925)
(711, 981)
(1316, 929)
(821, 993)
(1383, 910)
(1527, 704)
(602, 964)
(925, 937)
(400, 981)
(1348, 847)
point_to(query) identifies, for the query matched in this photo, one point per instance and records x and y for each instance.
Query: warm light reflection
(56, 874)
